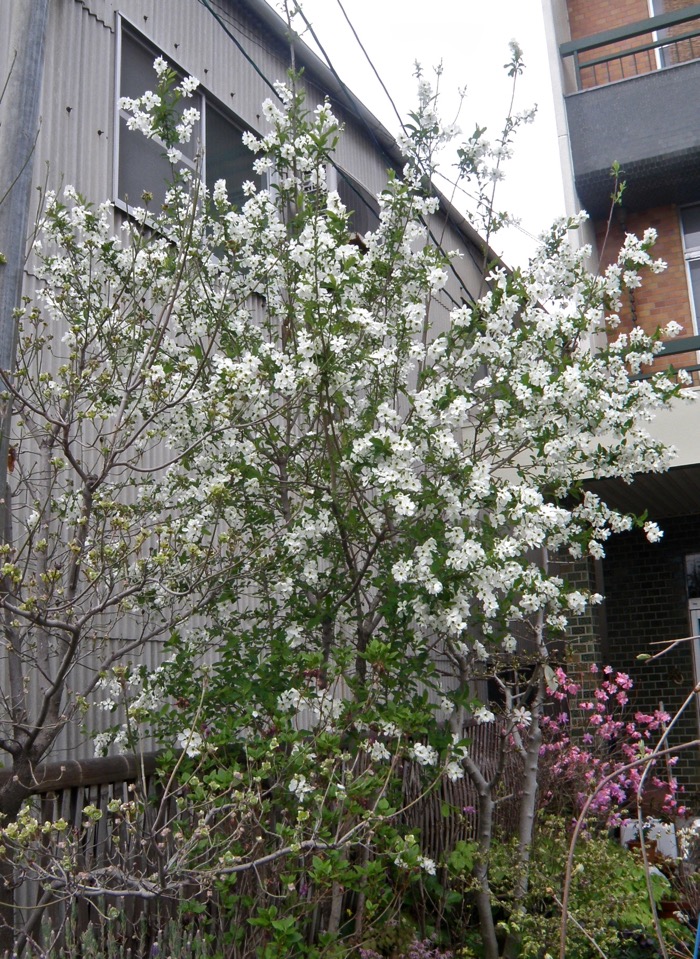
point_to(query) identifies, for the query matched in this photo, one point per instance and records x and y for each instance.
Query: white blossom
(521, 716)
(454, 771)
(423, 754)
(300, 787)
(377, 751)
(652, 532)
(483, 715)
(190, 741)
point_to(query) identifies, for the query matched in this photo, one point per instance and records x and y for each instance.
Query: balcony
(685, 351)
(634, 103)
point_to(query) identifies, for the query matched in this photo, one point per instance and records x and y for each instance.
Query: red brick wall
(594, 16)
(662, 296)
(587, 17)
(686, 49)
(645, 604)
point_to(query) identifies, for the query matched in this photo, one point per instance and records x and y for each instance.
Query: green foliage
(362, 491)
(609, 900)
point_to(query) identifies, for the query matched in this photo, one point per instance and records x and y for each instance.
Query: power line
(457, 186)
(374, 69)
(206, 4)
(349, 105)
(271, 85)
(379, 146)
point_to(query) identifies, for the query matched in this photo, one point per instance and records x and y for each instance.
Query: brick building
(623, 74)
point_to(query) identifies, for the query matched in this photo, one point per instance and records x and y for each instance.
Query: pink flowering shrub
(588, 738)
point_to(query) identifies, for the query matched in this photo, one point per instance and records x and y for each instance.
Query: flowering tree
(123, 337)
(363, 504)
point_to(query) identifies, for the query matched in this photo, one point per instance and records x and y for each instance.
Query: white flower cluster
(338, 473)
(300, 788)
(423, 754)
(190, 741)
(144, 109)
(317, 709)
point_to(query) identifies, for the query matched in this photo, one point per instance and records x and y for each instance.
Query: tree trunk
(526, 828)
(12, 795)
(481, 874)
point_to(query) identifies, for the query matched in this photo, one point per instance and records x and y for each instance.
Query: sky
(470, 38)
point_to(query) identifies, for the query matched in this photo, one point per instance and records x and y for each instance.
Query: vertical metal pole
(577, 70)
(19, 124)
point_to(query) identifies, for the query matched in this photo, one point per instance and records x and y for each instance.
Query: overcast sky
(470, 38)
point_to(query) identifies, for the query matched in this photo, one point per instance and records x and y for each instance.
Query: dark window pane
(137, 74)
(694, 266)
(692, 568)
(690, 217)
(225, 156)
(142, 167)
(142, 163)
(362, 206)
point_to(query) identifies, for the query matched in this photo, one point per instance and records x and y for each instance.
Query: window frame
(207, 101)
(690, 256)
(693, 560)
(361, 198)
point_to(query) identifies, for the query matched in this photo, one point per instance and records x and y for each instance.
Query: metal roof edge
(318, 69)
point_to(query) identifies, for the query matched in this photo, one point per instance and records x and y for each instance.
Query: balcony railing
(605, 57)
(688, 347)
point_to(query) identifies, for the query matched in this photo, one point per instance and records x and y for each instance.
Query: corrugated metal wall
(78, 103)
(76, 142)
(76, 145)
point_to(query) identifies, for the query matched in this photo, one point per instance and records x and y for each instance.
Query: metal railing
(680, 346)
(620, 62)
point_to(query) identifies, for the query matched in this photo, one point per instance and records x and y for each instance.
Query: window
(676, 50)
(362, 206)
(690, 228)
(692, 579)
(141, 165)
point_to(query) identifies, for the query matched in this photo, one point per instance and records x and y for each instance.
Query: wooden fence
(63, 790)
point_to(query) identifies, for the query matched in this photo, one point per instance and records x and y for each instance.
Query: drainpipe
(19, 125)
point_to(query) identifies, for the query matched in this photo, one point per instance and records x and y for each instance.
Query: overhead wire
(436, 242)
(399, 117)
(386, 90)
(350, 106)
(459, 188)
(241, 48)
(371, 64)
(271, 85)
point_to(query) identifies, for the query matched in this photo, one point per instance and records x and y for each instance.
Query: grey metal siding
(76, 145)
